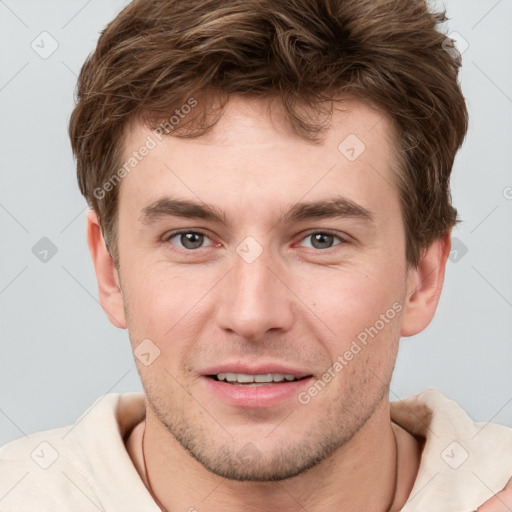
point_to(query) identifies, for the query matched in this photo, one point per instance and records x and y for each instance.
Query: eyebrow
(330, 208)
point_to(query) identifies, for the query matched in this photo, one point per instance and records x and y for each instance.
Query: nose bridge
(253, 299)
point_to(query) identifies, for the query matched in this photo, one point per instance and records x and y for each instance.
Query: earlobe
(110, 294)
(425, 283)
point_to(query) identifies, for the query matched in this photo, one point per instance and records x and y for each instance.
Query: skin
(500, 502)
(296, 304)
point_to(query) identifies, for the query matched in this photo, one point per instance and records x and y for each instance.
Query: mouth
(255, 388)
(249, 380)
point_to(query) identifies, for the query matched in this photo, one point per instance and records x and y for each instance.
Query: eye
(322, 240)
(188, 240)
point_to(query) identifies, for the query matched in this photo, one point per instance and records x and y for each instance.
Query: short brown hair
(156, 54)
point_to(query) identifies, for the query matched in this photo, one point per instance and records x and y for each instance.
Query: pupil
(191, 240)
(322, 240)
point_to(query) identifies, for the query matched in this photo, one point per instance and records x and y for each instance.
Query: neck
(361, 475)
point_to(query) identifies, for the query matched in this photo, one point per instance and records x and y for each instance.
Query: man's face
(269, 287)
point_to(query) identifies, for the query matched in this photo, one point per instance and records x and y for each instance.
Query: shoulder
(463, 462)
(42, 472)
(54, 469)
(431, 411)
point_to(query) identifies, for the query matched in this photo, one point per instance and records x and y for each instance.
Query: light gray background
(58, 350)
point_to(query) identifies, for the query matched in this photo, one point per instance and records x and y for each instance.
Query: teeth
(240, 377)
(263, 378)
(244, 378)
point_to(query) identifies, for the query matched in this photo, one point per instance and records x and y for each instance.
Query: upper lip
(253, 369)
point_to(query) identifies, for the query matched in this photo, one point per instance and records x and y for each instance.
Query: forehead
(252, 153)
(250, 121)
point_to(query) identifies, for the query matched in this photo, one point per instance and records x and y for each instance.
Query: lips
(243, 373)
(248, 379)
(262, 386)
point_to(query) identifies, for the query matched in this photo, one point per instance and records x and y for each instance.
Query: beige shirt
(85, 467)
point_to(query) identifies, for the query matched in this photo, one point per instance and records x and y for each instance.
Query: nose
(255, 298)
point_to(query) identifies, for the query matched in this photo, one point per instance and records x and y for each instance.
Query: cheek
(349, 301)
(163, 302)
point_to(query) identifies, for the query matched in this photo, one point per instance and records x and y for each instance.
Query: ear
(425, 283)
(111, 297)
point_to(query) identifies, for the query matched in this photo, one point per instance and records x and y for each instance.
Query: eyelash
(343, 240)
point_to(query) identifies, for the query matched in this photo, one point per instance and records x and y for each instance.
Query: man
(270, 213)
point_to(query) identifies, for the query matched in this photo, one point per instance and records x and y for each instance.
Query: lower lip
(256, 397)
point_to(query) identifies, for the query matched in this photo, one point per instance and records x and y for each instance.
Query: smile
(254, 380)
